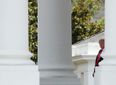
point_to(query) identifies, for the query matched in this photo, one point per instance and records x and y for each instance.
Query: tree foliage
(32, 11)
(83, 12)
(82, 24)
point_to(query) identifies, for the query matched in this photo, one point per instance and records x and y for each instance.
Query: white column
(16, 68)
(106, 73)
(55, 62)
(14, 32)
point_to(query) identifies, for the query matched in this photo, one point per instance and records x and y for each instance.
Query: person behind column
(101, 43)
(98, 57)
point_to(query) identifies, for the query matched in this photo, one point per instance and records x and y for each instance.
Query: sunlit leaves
(32, 11)
(82, 24)
(82, 15)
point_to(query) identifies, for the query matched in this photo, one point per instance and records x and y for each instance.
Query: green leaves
(83, 12)
(82, 24)
(32, 11)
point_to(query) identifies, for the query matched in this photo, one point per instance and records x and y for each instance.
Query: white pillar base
(14, 57)
(60, 81)
(19, 75)
(106, 73)
(58, 77)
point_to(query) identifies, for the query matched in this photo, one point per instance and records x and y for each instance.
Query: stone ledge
(60, 81)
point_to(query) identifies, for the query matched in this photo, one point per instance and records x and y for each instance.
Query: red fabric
(98, 59)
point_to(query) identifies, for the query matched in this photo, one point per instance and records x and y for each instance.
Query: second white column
(55, 62)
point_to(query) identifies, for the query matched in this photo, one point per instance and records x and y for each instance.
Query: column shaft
(55, 34)
(55, 62)
(16, 68)
(14, 32)
(110, 27)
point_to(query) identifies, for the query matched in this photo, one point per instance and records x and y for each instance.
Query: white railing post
(106, 73)
(55, 62)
